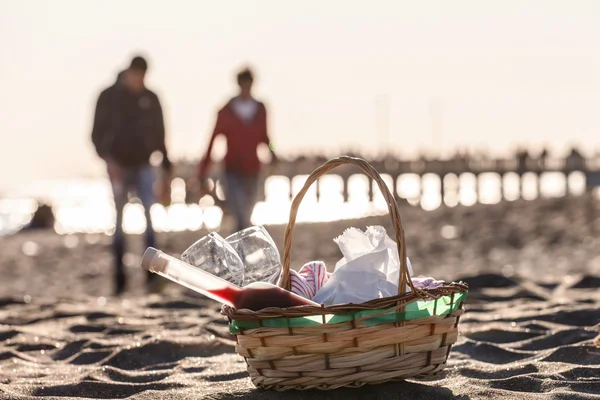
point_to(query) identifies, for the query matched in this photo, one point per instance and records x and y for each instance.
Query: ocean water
(86, 206)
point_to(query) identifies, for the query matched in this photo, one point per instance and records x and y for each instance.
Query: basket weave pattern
(353, 353)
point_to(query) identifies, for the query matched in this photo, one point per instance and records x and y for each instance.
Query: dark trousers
(240, 196)
(141, 181)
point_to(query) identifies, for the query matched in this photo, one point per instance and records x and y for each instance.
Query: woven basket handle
(404, 278)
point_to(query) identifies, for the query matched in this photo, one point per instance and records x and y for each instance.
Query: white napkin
(369, 268)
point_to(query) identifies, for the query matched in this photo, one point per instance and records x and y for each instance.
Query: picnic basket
(349, 345)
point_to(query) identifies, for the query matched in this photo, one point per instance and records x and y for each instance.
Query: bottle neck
(191, 277)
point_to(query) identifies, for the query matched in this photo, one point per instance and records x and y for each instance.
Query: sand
(532, 315)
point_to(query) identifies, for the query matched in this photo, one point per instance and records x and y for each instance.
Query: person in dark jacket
(243, 122)
(128, 128)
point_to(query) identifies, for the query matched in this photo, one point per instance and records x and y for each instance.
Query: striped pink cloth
(311, 277)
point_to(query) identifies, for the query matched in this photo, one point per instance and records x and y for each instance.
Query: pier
(394, 168)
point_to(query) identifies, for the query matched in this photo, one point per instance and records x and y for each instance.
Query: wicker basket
(349, 345)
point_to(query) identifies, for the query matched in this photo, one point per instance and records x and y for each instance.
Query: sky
(334, 74)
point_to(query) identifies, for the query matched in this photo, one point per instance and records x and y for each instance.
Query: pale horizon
(507, 73)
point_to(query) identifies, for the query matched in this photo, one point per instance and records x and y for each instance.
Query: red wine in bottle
(256, 296)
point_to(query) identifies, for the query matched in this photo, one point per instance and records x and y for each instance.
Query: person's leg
(120, 189)
(145, 191)
(250, 195)
(235, 197)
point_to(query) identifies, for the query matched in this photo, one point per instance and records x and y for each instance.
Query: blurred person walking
(128, 128)
(243, 122)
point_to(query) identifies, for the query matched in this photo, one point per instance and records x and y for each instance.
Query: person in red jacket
(243, 122)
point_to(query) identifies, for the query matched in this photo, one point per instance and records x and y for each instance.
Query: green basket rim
(414, 310)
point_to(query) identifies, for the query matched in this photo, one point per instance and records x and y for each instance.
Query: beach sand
(528, 333)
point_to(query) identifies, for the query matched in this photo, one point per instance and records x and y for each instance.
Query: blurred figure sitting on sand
(243, 122)
(128, 128)
(43, 218)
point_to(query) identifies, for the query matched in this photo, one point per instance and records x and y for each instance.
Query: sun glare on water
(87, 207)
